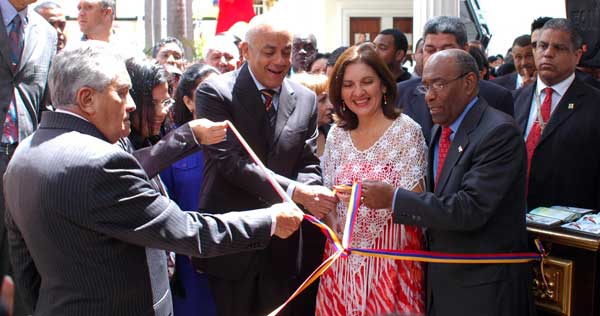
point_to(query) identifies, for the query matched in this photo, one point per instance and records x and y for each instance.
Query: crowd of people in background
(451, 156)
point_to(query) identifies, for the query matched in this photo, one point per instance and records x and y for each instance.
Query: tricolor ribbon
(343, 249)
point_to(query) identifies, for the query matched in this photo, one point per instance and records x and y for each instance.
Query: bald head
(268, 51)
(460, 59)
(450, 82)
(266, 23)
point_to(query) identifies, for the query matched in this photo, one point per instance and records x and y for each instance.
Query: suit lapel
(566, 107)
(31, 37)
(435, 136)
(460, 143)
(523, 106)
(287, 105)
(245, 89)
(5, 46)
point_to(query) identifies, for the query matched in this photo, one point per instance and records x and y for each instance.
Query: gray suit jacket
(82, 219)
(29, 81)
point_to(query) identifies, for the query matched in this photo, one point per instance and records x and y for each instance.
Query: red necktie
(536, 130)
(443, 151)
(271, 113)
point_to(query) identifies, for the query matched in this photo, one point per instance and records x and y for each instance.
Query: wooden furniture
(572, 271)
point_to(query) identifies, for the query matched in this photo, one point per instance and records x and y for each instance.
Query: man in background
(391, 45)
(558, 117)
(55, 15)
(221, 53)
(522, 53)
(304, 51)
(96, 18)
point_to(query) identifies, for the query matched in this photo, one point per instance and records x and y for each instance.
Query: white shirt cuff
(273, 223)
(290, 189)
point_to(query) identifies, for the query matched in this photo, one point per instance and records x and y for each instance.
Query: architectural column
(424, 10)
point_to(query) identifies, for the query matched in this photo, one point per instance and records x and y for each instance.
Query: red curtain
(231, 11)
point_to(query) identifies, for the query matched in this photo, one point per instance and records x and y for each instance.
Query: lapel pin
(460, 149)
(571, 106)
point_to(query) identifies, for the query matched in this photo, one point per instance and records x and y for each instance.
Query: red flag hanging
(231, 11)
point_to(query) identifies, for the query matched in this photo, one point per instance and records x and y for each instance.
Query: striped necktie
(271, 112)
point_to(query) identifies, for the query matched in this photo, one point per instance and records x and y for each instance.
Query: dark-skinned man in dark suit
(475, 197)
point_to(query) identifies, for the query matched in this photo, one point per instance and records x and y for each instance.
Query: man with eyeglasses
(440, 33)
(558, 117)
(475, 197)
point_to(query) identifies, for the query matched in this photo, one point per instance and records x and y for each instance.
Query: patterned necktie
(536, 130)
(15, 36)
(10, 133)
(271, 112)
(443, 151)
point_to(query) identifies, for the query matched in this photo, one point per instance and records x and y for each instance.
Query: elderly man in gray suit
(85, 225)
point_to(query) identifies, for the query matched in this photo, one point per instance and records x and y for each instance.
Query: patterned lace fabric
(356, 285)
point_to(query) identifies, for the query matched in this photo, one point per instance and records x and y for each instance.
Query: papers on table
(588, 224)
(550, 216)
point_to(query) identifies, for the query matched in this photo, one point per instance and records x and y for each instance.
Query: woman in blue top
(183, 181)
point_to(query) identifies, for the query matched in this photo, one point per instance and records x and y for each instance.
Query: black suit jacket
(413, 103)
(509, 81)
(587, 78)
(478, 206)
(564, 168)
(232, 182)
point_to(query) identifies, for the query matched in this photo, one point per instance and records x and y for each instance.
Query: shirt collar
(9, 12)
(70, 113)
(259, 85)
(560, 88)
(456, 124)
(519, 81)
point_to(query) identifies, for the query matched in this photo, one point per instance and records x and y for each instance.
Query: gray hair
(109, 4)
(447, 25)
(222, 43)
(47, 5)
(568, 27)
(92, 64)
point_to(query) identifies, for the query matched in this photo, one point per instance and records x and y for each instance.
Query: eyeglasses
(165, 103)
(438, 85)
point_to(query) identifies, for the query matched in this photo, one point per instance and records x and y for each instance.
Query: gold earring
(343, 106)
(385, 99)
